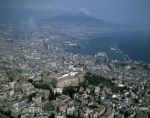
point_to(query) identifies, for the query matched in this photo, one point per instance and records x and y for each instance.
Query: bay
(135, 44)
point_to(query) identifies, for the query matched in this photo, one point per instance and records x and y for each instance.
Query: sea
(136, 44)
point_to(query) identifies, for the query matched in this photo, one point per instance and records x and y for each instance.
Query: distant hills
(80, 19)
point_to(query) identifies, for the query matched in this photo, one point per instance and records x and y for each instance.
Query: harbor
(124, 55)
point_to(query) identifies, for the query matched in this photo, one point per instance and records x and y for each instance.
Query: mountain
(80, 19)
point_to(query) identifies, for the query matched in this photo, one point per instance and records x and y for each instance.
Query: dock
(124, 55)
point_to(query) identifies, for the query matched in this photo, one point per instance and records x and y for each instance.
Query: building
(97, 91)
(94, 114)
(70, 110)
(16, 108)
(58, 90)
(60, 115)
(62, 108)
(17, 87)
(64, 80)
(37, 99)
(12, 84)
(2, 95)
(101, 109)
(46, 94)
(10, 92)
(109, 113)
(63, 98)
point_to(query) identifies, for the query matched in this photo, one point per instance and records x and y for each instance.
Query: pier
(124, 55)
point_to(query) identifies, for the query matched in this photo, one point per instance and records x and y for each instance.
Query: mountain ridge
(79, 19)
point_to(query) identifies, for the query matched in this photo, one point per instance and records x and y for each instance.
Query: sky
(127, 12)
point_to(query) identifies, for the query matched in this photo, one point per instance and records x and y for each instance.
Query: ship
(112, 48)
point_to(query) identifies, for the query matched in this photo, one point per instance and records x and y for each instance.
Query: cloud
(46, 7)
(31, 23)
(85, 11)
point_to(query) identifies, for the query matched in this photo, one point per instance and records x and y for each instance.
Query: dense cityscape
(39, 79)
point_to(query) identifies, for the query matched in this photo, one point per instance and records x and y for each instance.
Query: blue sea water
(135, 44)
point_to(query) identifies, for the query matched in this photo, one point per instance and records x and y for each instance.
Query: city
(41, 80)
(74, 59)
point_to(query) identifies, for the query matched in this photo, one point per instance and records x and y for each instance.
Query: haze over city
(126, 12)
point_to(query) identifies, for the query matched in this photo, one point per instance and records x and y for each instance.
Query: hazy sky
(129, 12)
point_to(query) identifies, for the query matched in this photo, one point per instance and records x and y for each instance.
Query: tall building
(45, 45)
(97, 91)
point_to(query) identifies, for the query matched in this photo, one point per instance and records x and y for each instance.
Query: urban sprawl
(39, 79)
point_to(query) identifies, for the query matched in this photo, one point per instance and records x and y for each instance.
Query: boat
(112, 48)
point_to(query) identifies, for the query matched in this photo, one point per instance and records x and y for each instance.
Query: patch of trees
(146, 68)
(70, 90)
(31, 95)
(30, 80)
(45, 87)
(96, 80)
(133, 68)
(72, 116)
(136, 101)
(123, 64)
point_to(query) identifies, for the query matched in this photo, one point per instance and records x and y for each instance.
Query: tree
(52, 96)
(31, 95)
(69, 90)
(30, 80)
(72, 116)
